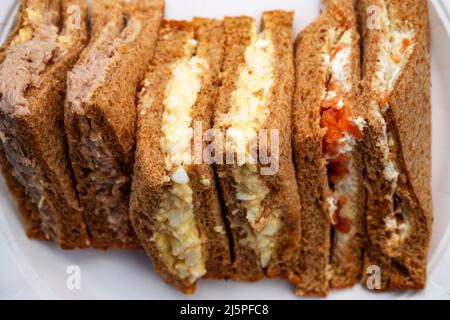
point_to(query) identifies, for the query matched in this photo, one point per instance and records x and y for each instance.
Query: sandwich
(253, 154)
(327, 130)
(174, 207)
(100, 114)
(44, 44)
(397, 142)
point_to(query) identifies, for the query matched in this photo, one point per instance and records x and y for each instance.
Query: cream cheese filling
(247, 114)
(348, 187)
(397, 45)
(179, 239)
(337, 59)
(395, 49)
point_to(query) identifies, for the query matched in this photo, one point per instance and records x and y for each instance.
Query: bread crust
(408, 121)
(149, 172)
(283, 187)
(210, 36)
(237, 38)
(40, 134)
(27, 209)
(323, 262)
(282, 195)
(112, 113)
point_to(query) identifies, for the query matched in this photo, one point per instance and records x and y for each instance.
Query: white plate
(31, 269)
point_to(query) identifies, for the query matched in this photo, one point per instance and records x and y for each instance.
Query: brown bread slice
(323, 262)
(33, 153)
(149, 184)
(408, 118)
(282, 197)
(100, 114)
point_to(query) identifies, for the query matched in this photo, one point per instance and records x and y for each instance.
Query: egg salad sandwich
(256, 171)
(100, 114)
(327, 130)
(397, 141)
(45, 42)
(175, 208)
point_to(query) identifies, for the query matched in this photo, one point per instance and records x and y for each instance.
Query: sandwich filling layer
(342, 131)
(91, 73)
(248, 112)
(38, 44)
(396, 46)
(179, 239)
(104, 173)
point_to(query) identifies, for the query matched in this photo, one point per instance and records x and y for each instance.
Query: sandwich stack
(327, 129)
(100, 114)
(397, 142)
(175, 206)
(222, 151)
(261, 200)
(44, 44)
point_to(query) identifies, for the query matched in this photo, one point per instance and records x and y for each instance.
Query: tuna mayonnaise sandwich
(175, 206)
(100, 114)
(397, 140)
(327, 129)
(254, 117)
(44, 44)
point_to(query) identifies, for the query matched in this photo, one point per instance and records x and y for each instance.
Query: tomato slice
(338, 168)
(340, 222)
(338, 124)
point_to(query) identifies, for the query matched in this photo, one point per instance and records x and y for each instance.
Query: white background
(30, 269)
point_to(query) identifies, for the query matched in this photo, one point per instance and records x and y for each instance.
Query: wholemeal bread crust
(112, 112)
(283, 194)
(28, 210)
(283, 188)
(41, 136)
(148, 180)
(409, 122)
(311, 167)
(210, 36)
(237, 38)
(315, 259)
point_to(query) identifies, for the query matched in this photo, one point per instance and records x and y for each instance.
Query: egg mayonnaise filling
(247, 114)
(179, 239)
